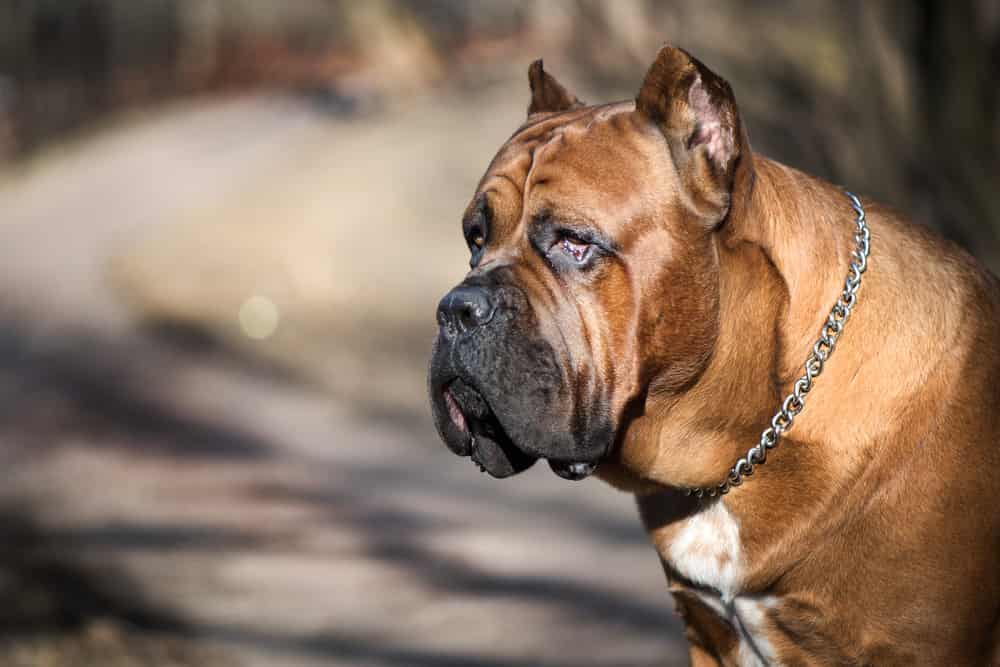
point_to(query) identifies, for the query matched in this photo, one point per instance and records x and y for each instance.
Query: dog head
(594, 277)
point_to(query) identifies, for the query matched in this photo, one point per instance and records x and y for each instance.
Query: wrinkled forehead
(582, 162)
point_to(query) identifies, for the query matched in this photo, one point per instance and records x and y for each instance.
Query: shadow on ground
(128, 496)
(76, 384)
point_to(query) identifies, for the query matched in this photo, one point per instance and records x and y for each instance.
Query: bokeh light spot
(259, 317)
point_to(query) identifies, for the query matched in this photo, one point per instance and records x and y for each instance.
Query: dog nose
(465, 308)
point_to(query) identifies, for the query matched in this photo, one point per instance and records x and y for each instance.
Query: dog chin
(573, 470)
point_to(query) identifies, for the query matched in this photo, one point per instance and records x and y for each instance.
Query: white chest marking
(707, 552)
(748, 617)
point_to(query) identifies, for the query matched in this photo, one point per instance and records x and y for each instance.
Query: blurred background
(224, 226)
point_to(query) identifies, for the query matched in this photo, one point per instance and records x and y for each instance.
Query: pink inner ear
(709, 130)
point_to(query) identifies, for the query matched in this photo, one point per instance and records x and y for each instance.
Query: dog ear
(547, 94)
(695, 110)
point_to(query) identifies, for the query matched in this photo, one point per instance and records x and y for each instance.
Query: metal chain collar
(822, 349)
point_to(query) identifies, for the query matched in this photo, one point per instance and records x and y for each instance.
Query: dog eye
(575, 248)
(476, 240)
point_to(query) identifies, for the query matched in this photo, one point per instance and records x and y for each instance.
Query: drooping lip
(476, 431)
(479, 434)
(454, 411)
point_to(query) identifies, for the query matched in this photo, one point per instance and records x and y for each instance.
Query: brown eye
(478, 241)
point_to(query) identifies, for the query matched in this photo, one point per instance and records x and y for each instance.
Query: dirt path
(262, 518)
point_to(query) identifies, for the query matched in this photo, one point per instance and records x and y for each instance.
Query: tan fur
(877, 519)
(875, 525)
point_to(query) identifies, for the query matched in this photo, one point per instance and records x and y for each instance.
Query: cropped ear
(695, 110)
(547, 94)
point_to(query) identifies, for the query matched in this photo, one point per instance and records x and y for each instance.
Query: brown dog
(644, 292)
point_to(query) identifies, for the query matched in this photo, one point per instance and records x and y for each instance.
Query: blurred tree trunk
(957, 48)
(59, 64)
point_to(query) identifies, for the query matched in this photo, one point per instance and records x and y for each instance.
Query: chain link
(795, 402)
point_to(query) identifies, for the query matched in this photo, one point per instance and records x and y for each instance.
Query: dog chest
(706, 552)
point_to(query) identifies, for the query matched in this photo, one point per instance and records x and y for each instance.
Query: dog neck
(783, 252)
(781, 266)
(804, 228)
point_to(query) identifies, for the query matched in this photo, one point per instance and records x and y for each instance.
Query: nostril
(467, 317)
(464, 308)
